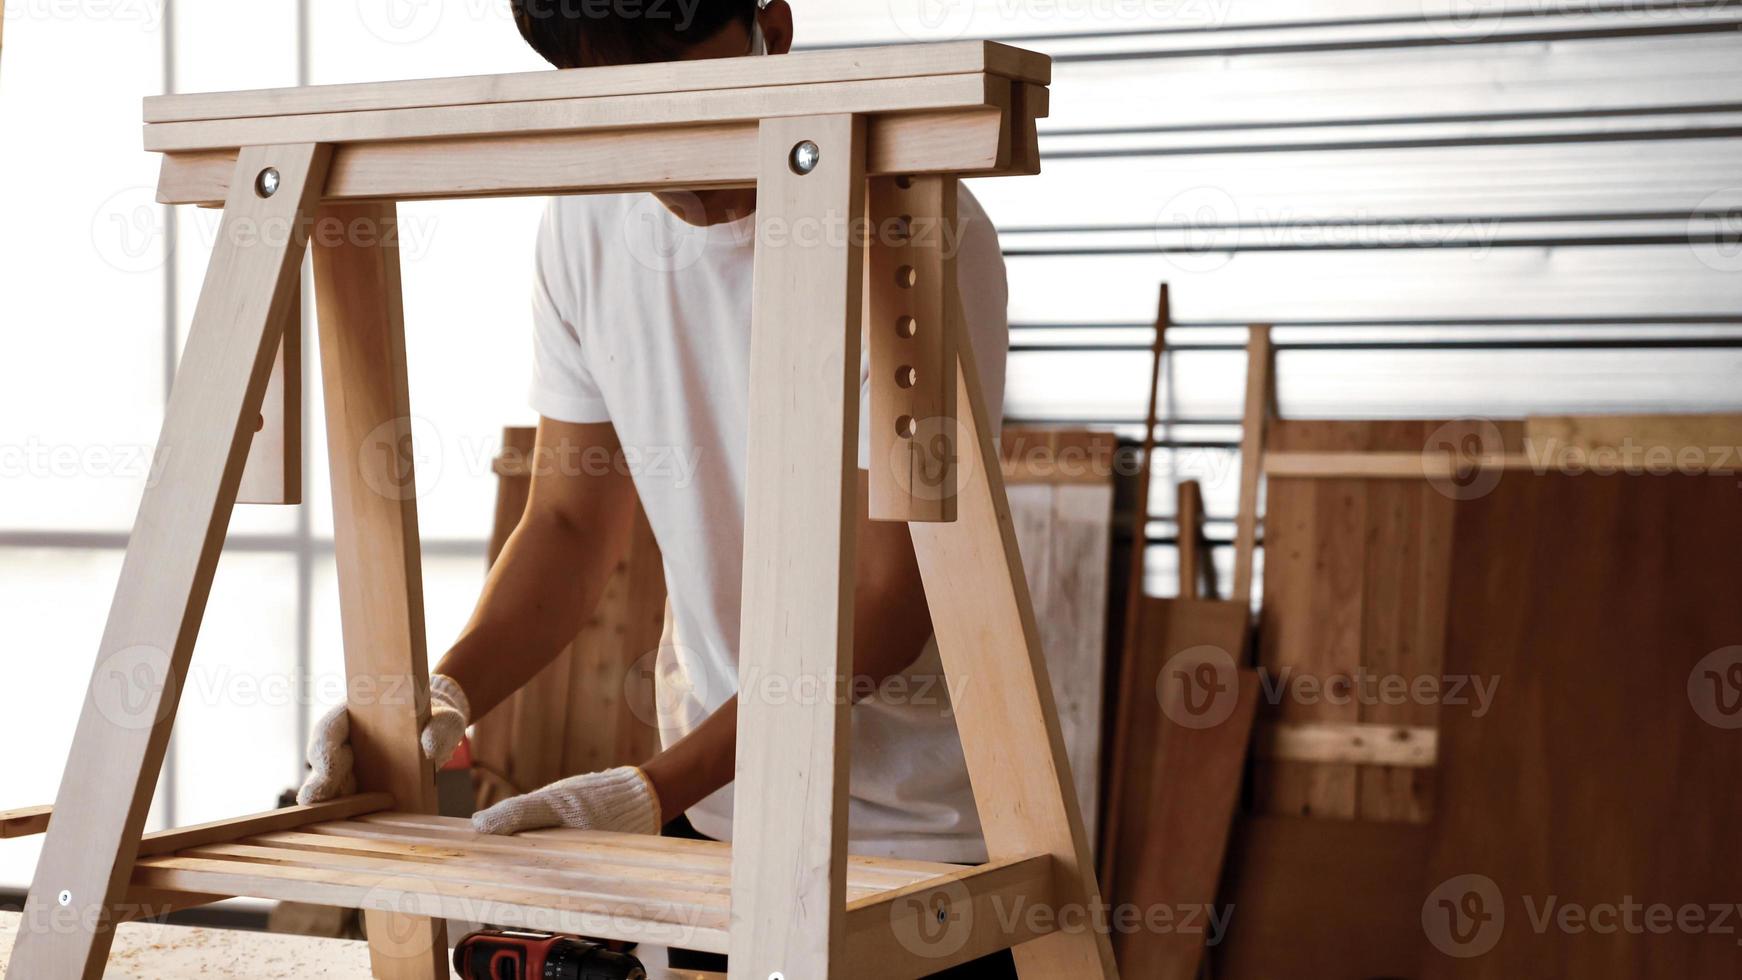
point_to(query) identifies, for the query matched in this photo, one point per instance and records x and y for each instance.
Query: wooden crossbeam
(1382, 465)
(973, 142)
(880, 96)
(846, 65)
(1349, 743)
(941, 922)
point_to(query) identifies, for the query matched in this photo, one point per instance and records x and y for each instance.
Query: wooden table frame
(893, 129)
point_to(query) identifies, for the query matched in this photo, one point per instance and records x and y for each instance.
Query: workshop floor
(148, 951)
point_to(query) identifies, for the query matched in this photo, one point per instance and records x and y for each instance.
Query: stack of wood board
(1356, 563)
(1354, 604)
(1576, 635)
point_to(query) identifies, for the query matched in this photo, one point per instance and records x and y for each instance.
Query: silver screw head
(804, 157)
(66, 897)
(266, 184)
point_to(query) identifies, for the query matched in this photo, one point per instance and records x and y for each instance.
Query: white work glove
(330, 760)
(619, 799)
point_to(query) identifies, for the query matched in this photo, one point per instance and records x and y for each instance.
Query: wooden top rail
(668, 77)
(962, 108)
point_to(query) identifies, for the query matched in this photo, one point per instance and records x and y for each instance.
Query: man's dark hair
(578, 33)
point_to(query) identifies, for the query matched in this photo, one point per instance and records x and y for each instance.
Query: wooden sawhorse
(849, 140)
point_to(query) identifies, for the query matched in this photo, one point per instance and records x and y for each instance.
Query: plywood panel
(1323, 900)
(1064, 532)
(1184, 722)
(1355, 606)
(1607, 608)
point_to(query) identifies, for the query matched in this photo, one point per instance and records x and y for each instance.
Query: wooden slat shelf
(621, 886)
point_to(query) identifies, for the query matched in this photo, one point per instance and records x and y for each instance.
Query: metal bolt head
(66, 897)
(804, 157)
(266, 184)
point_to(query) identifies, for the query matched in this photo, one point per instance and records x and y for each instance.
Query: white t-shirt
(643, 320)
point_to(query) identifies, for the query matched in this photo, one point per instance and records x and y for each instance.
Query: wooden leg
(790, 816)
(984, 621)
(124, 725)
(362, 349)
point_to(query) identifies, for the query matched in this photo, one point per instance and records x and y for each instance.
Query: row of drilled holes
(906, 327)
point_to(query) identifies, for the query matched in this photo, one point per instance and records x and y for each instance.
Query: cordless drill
(506, 954)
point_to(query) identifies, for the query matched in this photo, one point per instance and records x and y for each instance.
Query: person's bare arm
(891, 624)
(553, 568)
